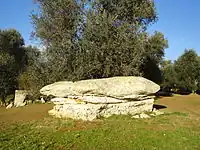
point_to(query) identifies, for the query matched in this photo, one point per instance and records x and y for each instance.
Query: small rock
(77, 135)
(22, 104)
(153, 115)
(154, 109)
(42, 100)
(144, 116)
(9, 106)
(136, 117)
(159, 113)
(156, 112)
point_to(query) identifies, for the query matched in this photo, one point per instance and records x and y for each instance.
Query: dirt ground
(26, 113)
(188, 104)
(181, 103)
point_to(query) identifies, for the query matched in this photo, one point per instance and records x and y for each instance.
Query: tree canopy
(96, 39)
(183, 73)
(169, 75)
(187, 69)
(12, 60)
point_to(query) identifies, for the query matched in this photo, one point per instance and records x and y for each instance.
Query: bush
(10, 98)
(197, 92)
(36, 74)
(183, 91)
(164, 93)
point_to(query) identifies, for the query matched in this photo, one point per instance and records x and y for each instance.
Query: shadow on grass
(156, 106)
(164, 94)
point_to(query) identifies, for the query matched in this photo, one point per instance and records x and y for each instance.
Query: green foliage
(56, 24)
(169, 74)
(154, 47)
(183, 73)
(96, 39)
(187, 69)
(135, 12)
(35, 76)
(9, 98)
(12, 61)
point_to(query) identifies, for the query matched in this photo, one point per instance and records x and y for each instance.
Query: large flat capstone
(130, 87)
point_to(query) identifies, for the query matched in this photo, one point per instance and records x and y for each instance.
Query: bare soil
(182, 103)
(26, 113)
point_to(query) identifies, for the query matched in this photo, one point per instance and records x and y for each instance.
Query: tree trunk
(3, 101)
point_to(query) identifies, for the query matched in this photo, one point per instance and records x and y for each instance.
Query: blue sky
(179, 20)
(16, 14)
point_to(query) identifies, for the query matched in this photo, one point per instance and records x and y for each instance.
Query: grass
(31, 128)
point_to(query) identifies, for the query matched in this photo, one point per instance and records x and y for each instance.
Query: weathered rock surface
(9, 106)
(142, 116)
(87, 99)
(117, 87)
(154, 113)
(42, 100)
(62, 101)
(92, 99)
(90, 112)
(20, 96)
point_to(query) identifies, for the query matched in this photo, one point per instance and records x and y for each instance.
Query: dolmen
(96, 98)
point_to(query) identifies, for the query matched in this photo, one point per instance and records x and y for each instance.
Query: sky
(179, 21)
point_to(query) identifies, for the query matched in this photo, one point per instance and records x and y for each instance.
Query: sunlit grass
(176, 130)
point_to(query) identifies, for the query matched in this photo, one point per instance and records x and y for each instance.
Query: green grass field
(31, 128)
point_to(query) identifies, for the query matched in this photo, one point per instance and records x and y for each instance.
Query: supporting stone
(20, 96)
(89, 112)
